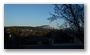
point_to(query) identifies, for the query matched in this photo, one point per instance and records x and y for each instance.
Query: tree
(73, 14)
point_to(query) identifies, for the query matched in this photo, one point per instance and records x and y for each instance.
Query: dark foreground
(44, 47)
(37, 38)
(41, 43)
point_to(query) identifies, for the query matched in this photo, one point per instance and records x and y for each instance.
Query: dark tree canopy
(71, 13)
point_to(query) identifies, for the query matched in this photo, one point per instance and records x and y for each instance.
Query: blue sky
(28, 15)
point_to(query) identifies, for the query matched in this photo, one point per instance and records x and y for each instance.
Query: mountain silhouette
(45, 27)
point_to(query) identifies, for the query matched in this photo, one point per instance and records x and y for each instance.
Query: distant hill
(45, 27)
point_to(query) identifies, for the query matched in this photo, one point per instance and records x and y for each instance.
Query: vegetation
(73, 14)
(34, 36)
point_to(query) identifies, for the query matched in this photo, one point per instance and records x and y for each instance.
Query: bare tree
(73, 14)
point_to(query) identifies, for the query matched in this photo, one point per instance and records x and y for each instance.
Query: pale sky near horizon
(28, 15)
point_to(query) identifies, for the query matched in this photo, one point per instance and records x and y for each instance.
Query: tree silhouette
(73, 14)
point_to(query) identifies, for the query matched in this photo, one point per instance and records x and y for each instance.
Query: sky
(28, 15)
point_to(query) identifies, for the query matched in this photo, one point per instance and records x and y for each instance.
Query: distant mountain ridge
(45, 27)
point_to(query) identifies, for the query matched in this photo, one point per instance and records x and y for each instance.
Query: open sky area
(28, 15)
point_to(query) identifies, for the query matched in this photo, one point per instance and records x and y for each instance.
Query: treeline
(26, 31)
